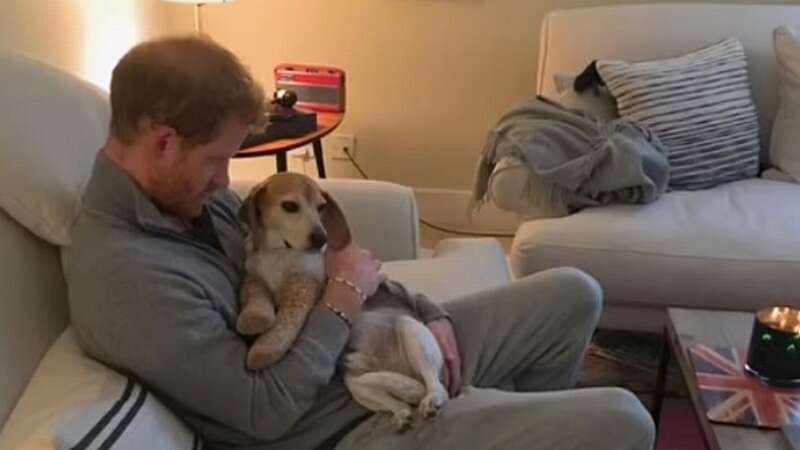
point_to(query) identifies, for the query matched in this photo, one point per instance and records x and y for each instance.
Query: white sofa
(45, 111)
(736, 246)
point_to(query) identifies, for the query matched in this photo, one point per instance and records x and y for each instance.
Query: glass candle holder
(774, 353)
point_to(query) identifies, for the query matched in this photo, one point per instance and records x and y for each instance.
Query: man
(156, 263)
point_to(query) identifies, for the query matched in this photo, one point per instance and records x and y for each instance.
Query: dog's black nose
(318, 239)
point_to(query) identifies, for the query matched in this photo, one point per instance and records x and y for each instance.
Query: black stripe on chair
(123, 424)
(103, 422)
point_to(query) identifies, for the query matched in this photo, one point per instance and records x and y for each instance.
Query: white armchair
(33, 307)
(734, 246)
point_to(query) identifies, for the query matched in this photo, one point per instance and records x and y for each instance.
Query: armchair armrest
(383, 216)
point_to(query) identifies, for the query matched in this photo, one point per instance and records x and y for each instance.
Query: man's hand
(357, 266)
(442, 329)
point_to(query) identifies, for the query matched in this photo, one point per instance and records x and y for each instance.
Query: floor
(679, 428)
(628, 361)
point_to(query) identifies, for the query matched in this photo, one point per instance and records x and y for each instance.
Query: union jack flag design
(731, 395)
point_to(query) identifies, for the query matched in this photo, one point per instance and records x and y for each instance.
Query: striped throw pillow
(701, 108)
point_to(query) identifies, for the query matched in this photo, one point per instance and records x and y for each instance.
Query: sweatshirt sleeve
(425, 308)
(160, 325)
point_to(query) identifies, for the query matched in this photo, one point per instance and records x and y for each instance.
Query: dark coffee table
(686, 327)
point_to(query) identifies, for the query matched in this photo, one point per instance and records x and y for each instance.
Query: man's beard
(172, 200)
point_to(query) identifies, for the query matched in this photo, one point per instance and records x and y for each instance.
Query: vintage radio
(318, 88)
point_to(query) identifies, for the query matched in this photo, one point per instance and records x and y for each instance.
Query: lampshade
(199, 2)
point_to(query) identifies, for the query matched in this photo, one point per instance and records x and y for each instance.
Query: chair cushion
(736, 246)
(53, 124)
(73, 401)
(458, 267)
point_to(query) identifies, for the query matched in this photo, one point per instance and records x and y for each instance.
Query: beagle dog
(393, 363)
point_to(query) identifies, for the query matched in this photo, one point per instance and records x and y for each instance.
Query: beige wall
(426, 78)
(86, 37)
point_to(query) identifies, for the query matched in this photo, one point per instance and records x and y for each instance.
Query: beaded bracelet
(339, 313)
(350, 284)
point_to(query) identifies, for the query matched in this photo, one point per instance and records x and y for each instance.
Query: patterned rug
(629, 360)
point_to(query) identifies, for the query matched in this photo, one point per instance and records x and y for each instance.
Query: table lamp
(198, 15)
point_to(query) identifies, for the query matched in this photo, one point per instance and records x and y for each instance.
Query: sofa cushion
(785, 146)
(457, 267)
(52, 126)
(736, 246)
(701, 108)
(73, 401)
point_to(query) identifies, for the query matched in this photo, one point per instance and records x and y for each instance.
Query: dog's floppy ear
(250, 213)
(335, 224)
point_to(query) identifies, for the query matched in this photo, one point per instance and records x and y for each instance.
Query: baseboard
(450, 208)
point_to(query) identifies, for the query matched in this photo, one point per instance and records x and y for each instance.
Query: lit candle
(781, 318)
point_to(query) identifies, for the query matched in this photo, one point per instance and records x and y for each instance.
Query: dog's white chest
(271, 266)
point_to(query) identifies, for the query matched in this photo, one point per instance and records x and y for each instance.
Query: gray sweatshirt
(160, 304)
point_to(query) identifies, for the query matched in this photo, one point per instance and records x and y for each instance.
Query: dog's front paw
(401, 419)
(433, 402)
(253, 321)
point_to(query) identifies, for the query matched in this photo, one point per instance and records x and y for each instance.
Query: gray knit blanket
(575, 160)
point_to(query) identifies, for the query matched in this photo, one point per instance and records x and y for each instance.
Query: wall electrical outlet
(335, 144)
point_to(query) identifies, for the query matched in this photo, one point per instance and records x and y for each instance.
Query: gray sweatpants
(522, 345)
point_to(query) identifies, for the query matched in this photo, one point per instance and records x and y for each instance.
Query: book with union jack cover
(731, 395)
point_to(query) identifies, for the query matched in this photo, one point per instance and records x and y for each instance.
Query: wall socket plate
(334, 146)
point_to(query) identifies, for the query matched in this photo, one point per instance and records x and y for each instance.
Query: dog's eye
(290, 207)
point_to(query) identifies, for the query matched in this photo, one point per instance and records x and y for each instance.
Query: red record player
(318, 88)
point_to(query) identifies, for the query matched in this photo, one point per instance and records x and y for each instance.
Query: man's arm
(423, 307)
(166, 332)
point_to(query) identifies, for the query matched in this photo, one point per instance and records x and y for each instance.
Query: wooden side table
(326, 123)
(686, 327)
